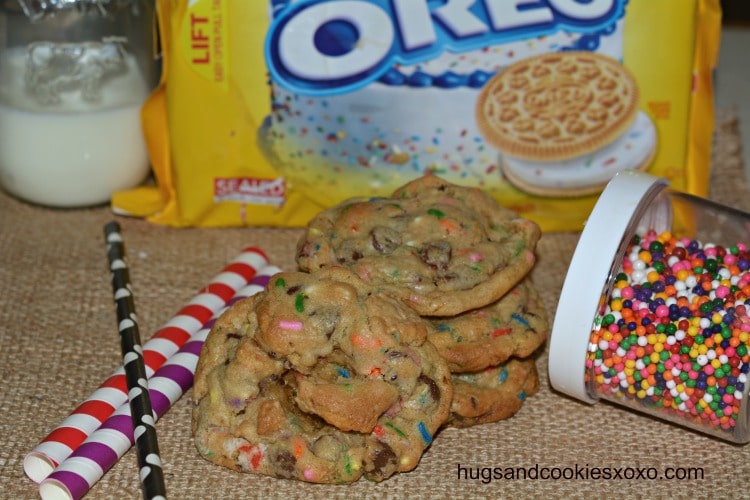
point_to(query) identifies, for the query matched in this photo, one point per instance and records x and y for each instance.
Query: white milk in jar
(73, 77)
(74, 153)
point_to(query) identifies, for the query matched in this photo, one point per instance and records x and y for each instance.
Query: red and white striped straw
(103, 448)
(112, 393)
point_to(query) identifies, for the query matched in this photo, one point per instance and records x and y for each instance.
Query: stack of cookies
(459, 260)
(408, 313)
(489, 351)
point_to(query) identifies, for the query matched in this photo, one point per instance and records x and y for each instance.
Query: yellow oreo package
(271, 110)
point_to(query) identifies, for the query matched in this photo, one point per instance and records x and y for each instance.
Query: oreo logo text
(318, 47)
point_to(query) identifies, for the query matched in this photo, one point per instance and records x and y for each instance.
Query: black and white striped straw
(144, 430)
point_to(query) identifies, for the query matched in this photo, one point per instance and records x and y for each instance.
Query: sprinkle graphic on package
(270, 111)
(415, 117)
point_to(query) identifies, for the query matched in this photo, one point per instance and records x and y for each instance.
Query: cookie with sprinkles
(493, 394)
(516, 325)
(440, 248)
(320, 380)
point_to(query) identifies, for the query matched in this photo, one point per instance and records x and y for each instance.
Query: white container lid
(622, 204)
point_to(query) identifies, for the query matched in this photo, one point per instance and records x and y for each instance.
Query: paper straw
(112, 393)
(139, 401)
(76, 475)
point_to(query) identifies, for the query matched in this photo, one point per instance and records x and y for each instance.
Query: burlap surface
(58, 342)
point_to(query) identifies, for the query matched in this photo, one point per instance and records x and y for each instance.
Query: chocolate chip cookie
(493, 394)
(516, 325)
(440, 248)
(319, 379)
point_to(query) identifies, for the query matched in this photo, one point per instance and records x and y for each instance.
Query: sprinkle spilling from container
(673, 335)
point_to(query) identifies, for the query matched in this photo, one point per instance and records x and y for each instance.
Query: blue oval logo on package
(328, 47)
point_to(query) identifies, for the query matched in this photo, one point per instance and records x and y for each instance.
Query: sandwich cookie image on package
(367, 95)
(565, 123)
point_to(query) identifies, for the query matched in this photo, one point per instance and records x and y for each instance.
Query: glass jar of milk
(73, 77)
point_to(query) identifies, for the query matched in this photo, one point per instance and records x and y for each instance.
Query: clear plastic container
(73, 77)
(654, 313)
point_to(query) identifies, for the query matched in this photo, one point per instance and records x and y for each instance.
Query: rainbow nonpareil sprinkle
(672, 337)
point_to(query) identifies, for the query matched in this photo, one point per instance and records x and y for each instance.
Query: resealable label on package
(270, 111)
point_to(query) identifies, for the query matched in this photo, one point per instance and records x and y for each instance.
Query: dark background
(736, 11)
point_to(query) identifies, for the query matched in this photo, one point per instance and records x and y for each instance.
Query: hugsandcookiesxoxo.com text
(576, 472)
